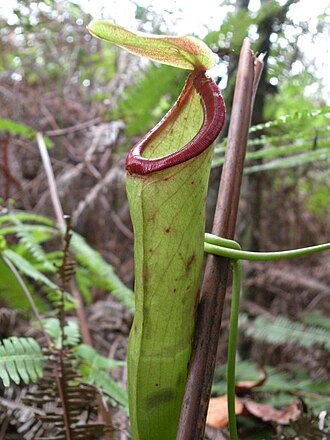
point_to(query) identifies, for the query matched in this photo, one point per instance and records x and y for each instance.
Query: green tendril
(231, 249)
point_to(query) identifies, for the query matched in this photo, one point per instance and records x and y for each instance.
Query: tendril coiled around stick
(231, 249)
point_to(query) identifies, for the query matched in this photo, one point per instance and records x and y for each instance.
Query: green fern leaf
(95, 368)
(18, 129)
(276, 382)
(103, 380)
(25, 216)
(152, 106)
(71, 332)
(283, 331)
(103, 273)
(20, 359)
(28, 269)
(316, 318)
(297, 116)
(11, 291)
(322, 154)
(96, 361)
(286, 142)
(32, 245)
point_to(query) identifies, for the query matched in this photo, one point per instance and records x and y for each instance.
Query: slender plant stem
(81, 313)
(263, 256)
(230, 249)
(232, 344)
(51, 179)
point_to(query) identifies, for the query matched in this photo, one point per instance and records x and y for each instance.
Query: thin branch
(202, 363)
(51, 180)
(73, 128)
(81, 314)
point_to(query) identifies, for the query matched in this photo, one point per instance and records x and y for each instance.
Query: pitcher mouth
(213, 121)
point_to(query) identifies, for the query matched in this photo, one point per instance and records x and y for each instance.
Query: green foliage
(20, 359)
(316, 318)
(142, 109)
(14, 128)
(276, 381)
(25, 267)
(279, 387)
(317, 195)
(11, 292)
(101, 273)
(71, 332)
(289, 141)
(102, 380)
(96, 361)
(31, 243)
(95, 370)
(27, 254)
(30, 259)
(282, 331)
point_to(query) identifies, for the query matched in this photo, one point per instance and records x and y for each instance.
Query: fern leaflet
(103, 272)
(283, 331)
(20, 359)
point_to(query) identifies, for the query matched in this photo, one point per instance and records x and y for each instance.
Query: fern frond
(29, 243)
(102, 272)
(279, 385)
(24, 216)
(322, 154)
(20, 359)
(11, 291)
(40, 233)
(54, 293)
(286, 119)
(283, 331)
(286, 142)
(68, 406)
(95, 360)
(316, 318)
(71, 332)
(109, 386)
(94, 369)
(152, 106)
(18, 129)
(25, 267)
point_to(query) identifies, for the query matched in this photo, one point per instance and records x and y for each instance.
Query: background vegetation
(92, 102)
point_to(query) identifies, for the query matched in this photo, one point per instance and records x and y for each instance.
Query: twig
(53, 123)
(51, 180)
(202, 364)
(73, 128)
(81, 314)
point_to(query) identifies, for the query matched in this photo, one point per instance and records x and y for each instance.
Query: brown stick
(202, 364)
(80, 310)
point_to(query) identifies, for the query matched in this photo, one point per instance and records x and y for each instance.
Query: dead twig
(81, 314)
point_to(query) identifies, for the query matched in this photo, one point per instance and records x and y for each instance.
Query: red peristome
(214, 118)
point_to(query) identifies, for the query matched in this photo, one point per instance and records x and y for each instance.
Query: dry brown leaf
(268, 413)
(248, 385)
(217, 415)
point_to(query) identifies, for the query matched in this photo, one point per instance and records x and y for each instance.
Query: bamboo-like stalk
(202, 363)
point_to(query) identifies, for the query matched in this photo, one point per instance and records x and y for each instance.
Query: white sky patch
(185, 16)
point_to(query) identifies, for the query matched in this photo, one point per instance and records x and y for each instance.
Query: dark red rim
(214, 118)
